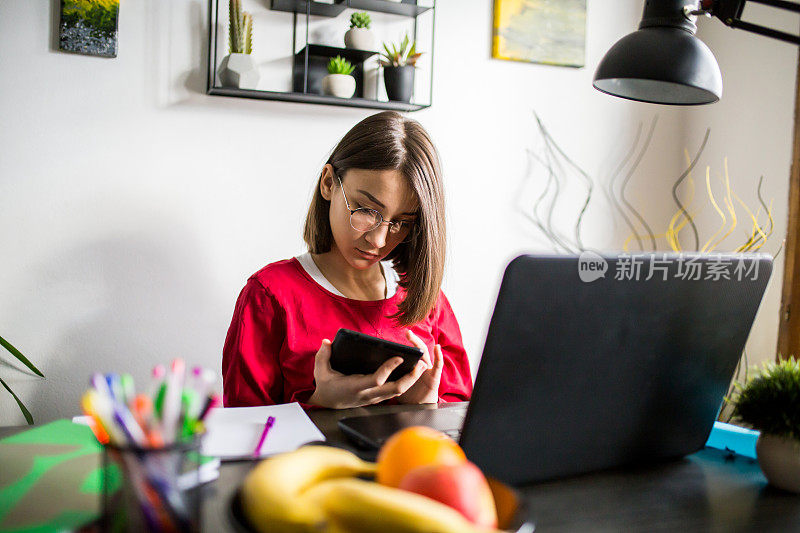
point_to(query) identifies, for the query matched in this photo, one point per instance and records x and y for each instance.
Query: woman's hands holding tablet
(426, 388)
(340, 391)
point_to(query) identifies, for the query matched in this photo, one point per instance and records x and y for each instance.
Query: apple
(462, 487)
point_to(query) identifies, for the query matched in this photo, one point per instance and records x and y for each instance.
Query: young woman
(375, 232)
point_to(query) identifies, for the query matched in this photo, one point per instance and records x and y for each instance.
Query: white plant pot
(341, 85)
(239, 70)
(779, 459)
(359, 39)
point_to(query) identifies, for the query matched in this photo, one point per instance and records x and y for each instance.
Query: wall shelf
(307, 61)
(320, 9)
(350, 54)
(315, 99)
(406, 8)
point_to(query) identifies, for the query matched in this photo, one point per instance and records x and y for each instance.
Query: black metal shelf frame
(308, 56)
(406, 8)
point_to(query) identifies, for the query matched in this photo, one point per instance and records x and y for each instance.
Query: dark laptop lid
(593, 362)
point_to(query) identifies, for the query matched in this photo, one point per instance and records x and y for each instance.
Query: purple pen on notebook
(267, 427)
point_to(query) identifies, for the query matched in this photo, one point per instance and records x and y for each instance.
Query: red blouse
(279, 322)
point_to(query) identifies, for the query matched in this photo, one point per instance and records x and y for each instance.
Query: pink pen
(267, 427)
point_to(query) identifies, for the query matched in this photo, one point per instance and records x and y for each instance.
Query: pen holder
(152, 489)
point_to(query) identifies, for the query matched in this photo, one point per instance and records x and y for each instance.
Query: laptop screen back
(593, 362)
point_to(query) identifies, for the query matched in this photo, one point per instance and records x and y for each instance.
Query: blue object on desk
(733, 438)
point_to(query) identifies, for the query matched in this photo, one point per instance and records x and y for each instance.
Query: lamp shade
(661, 65)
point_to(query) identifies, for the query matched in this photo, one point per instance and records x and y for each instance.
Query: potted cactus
(339, 81)
(770, 403)
(238, 68)
(398, 64)
(359, 36)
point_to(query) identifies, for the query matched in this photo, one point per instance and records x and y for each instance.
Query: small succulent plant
(770, 402)
(240, 37)
(339, 65)
(360, 20)
(405, 54)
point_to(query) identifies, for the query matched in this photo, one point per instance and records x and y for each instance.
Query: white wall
(751, 126)
(135, 206)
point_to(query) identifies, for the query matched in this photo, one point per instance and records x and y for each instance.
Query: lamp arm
(730, 13)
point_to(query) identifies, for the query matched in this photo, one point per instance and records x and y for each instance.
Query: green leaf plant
(24, 360)
(770, 401)
(399, 56)
(360, 20)
(339, 65)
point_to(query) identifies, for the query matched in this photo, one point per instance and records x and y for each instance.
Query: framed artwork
(552, 32)
(89, 27)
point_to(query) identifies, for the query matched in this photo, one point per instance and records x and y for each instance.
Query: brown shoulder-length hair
(391, 141)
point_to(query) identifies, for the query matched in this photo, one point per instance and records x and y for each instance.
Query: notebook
(234, 432)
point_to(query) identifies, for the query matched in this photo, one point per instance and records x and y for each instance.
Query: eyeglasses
(366, 219)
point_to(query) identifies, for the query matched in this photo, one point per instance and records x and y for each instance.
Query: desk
(706, 491)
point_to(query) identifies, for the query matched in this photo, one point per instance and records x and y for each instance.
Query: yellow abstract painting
(540, 31)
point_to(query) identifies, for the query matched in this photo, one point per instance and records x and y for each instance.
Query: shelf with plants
(273, 71)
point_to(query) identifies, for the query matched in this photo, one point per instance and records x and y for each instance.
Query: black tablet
(356, 353)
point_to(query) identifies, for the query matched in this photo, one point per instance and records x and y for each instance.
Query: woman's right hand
(340, 391)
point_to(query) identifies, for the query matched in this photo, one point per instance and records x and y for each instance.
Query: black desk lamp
(664, 63)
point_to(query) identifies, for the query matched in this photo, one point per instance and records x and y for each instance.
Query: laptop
(598, 361)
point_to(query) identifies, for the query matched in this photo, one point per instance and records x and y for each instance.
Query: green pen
(189, 399)
(158, 404)
(128, 392)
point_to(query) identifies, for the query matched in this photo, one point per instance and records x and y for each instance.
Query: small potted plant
(339, 82)
(770, 403)
(359, 36)
(238, 68)
(398, 69)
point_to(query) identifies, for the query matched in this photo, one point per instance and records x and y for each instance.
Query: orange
(412, 447)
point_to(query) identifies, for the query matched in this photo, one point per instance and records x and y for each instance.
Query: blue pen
(100, 384)
(115, 387)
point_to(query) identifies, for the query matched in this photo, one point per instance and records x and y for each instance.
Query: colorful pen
(212, 402)
(172, 400)
(267, 427)
(100, 404)
(128, 392)
(94, 421)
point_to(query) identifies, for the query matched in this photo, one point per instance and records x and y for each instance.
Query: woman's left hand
(426, 388)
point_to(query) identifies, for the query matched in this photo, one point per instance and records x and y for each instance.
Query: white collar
(389, 274)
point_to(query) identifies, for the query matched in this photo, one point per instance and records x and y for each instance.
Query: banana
(355, 506)
(272, 493)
